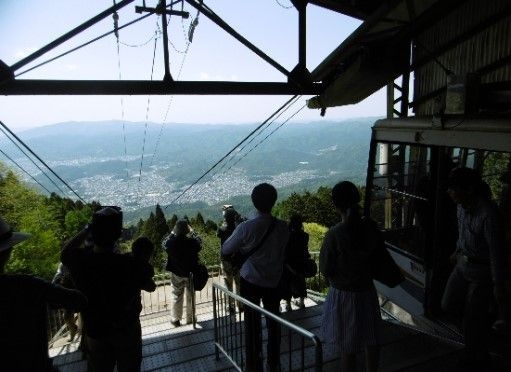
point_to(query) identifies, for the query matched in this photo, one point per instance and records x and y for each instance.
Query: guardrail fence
(300, 349)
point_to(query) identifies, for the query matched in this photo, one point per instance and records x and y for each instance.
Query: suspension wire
(32, 161)
(42, 161)
(83, 45)
(258, 134)
(197, 190)
(294, 100)
(230, 151)
(185, 54)
(138, 45)
(270, 134)
(146, 120)
(284, 6)
(28, 174)
(115, 17)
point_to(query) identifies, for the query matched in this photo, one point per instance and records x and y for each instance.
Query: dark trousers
(253, 332)
(123, 347)
(468, 293)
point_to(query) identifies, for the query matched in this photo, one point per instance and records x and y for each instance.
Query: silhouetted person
(112, 284)
(261, 273)
(297, 252)
(142, 249)
(351, 311)
(231, 273)
(183, 255)
(23, 311)
(503, 323)
(480, 267)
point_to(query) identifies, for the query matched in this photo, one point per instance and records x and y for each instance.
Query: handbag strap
(268, 231)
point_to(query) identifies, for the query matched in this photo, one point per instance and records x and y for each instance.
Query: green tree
(76, 219)
(161, 229)
(199, 220)
(313, 207)
(149, 227)
(172, 222)
(210, 226)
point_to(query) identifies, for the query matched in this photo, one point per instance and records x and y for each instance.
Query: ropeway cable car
(457, 80)
(407, 195)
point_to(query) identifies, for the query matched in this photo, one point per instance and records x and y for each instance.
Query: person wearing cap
(183, 255)
(23, 311)
(260, 274)
(231, 273)
(480, 263)
(112, 284)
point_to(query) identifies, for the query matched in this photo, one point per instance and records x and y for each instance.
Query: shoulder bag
(238, 258)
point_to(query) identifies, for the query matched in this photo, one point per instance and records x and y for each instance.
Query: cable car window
(401, 187)
(403, 191)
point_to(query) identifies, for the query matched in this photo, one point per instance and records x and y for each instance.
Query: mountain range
(136, 165)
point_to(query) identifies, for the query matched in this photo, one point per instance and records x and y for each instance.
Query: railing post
(215, 323)
(237, 360)
(192, 294)
(319, 354)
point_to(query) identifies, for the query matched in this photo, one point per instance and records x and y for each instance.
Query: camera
(106, 226)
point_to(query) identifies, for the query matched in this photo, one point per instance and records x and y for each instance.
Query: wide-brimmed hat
(9, 238)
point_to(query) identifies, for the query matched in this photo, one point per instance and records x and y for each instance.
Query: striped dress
(351, 320)
(351, 313)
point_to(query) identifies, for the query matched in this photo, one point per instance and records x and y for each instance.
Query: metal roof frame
(388, 24)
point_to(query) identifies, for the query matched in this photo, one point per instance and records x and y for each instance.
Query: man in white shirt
(261, 273)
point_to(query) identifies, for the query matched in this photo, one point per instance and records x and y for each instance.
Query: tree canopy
(50, 220)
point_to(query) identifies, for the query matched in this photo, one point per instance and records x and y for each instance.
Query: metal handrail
(152, 302)
(225, 329)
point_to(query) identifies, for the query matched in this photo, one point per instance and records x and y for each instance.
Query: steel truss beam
(142, 87)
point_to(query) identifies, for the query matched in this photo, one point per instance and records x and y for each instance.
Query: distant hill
(101, 160)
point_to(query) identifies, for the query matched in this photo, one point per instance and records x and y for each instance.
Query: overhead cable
(32, 161)
(284, 6)
(232, 150)
(42, 161)
(28, 174)
(270, 134)
(262, 140)
(257, 135)
(83, 45)
(169, 104)
(116, 32)
(146, 120)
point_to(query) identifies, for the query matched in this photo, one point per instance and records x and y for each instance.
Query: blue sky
(27, 25)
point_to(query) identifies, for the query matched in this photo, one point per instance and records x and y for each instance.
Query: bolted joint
(299, 4)
(300, 76)
(6, 72)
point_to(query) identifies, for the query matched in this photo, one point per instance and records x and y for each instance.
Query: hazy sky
(27, 25)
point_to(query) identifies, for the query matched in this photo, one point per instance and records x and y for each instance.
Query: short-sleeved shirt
(112, 284)
(263, 267)
(23, 320)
